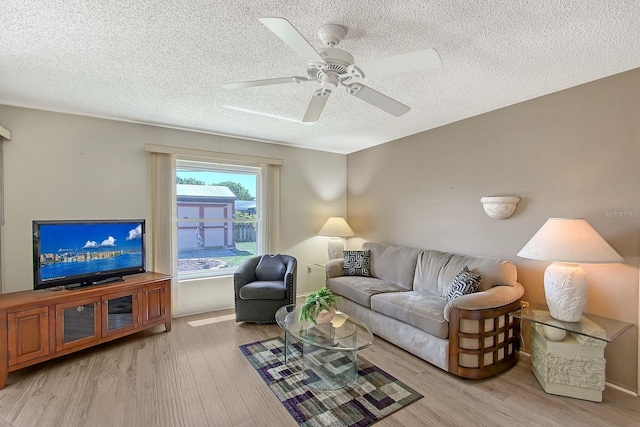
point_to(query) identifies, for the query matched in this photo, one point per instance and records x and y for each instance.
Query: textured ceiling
(163, 62)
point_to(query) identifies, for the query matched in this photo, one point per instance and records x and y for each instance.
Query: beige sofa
(404, 302)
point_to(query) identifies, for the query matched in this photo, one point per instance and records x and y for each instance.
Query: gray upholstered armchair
(263, 284)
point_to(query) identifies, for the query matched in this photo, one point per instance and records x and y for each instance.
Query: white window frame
(162, 168)
(218, 166)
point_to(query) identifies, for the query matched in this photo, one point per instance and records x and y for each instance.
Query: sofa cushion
(356, 263)
(428, 269)
(419, 309)
(493, 271)
(359, 289)
(464, 283)
(395, 264)
(263, 290)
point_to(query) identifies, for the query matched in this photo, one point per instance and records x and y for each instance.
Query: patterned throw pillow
(465, 282)
(356, 263)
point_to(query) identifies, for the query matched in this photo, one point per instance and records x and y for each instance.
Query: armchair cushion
(263, 290)
(270, 268)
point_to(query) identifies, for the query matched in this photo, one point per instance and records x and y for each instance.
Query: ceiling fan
(333, 67)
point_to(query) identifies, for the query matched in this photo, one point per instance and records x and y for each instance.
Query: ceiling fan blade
(377, 99)
(412, 61)
(316, 105)
(292, 38)
(265, 82)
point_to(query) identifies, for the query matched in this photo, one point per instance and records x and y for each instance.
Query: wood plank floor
(196, 376)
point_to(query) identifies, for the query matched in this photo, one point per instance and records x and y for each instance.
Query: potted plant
(316, 302)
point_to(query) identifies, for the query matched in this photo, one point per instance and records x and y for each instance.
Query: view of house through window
(218, 217)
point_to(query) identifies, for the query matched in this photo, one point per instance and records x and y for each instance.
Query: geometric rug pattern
(373, 396)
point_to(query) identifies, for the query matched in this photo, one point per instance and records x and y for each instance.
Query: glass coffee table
(329, 351)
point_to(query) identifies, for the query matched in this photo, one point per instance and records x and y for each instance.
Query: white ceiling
(163, 62)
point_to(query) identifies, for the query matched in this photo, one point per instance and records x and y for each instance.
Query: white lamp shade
(336, 227)
(569, 240)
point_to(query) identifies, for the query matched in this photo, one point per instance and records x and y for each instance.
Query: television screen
(86, 252)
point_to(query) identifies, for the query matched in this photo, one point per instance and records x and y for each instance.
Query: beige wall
(575, 153)
(61, 166)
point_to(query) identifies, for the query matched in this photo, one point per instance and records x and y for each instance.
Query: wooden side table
(568, 357)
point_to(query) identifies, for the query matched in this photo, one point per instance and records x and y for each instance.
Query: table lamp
(336, 227)
(568, 242)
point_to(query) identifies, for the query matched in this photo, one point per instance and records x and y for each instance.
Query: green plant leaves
(323, 299)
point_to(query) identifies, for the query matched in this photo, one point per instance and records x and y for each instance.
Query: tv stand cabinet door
(120, 313)
(28, 335)
(78, 323)
(154, 303)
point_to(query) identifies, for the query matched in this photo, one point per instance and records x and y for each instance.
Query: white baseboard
(622, 389)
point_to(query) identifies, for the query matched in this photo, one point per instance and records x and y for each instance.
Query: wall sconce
(500, 207)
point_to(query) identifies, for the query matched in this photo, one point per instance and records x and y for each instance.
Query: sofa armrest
(491, 298)
(495, 297)
(483, 338)
(483, 342)
(334, 268)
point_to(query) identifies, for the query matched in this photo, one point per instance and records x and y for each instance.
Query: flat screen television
(84, 253)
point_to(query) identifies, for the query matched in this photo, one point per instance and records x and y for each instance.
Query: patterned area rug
(373, 396)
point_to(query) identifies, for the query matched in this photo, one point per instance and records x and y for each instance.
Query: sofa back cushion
(435, 271)
(395, 264)
(428, 270)
(494, 271)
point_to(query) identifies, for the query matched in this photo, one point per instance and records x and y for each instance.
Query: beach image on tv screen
(68, 250)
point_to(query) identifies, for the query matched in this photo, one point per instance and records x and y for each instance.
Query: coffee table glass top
(329, 351)
(590, 325)
(344, 333)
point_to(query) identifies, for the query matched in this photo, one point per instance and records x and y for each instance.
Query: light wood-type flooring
(196, 376)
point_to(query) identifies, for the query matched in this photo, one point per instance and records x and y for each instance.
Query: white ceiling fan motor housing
(337, 61)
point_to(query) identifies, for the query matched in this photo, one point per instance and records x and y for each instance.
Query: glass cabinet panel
(120, 311)
(77, 323)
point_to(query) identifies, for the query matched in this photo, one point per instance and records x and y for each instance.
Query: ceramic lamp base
(552, 333)
(335, 248)
(565, 288)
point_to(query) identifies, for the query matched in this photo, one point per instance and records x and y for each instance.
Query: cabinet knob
(98, 303)
(44, 314)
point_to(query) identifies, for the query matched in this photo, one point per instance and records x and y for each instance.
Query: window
(218, 217)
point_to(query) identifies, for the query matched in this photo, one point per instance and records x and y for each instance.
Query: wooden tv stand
(36, 326)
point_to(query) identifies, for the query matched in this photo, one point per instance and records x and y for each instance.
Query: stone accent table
(568, 357)
(569, 367)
